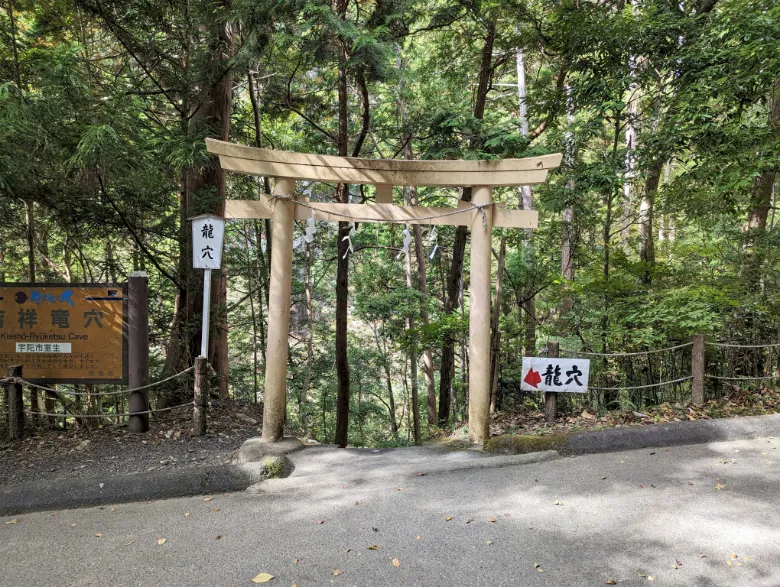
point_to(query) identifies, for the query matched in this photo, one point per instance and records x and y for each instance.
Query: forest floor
(528, 420)
(112, 449)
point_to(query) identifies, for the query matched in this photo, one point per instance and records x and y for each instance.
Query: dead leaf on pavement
(469, 520)
(207, 498)
(448, 518)
(161, 541)
(373, 547)
(337, 572)
(396, 563)
(602, 478)
(320, 522)
(690, 482)
(489, 542)
(719, 486)
(214, 509)
(129, 543)
(491, 519)
(187, 515)
(610, 582)
(421, 474)
(556, 502)
(14, 522)
(296, 561)
(218, 537)
(399, 488)
(418, 537)
(262, 578)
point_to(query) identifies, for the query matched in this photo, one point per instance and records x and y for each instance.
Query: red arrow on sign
(533, 378)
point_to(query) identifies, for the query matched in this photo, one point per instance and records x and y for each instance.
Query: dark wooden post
(14, 402)
(201, 396)
(697, 369)
(550, 397)
(138, 349)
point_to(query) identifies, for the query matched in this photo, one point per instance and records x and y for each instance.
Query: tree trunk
(646, 210)
(567, 248)
(203, 191)
(495, 340)
(413, 361)
(459, 246)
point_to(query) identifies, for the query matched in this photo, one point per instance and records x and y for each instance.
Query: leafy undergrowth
(739, 402)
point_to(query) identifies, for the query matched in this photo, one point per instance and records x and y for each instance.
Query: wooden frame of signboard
(481, 215)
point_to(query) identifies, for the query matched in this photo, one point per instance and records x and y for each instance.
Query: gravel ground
(51, 454)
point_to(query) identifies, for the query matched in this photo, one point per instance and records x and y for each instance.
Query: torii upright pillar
(481, 215)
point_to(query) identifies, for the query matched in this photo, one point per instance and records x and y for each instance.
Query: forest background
(660, 224)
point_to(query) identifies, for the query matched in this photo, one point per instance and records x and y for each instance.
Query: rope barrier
(671, 348)
(421, 220)
(744, 346)
(108, 415)
(642, 386)
(23, 381)
(742, 378)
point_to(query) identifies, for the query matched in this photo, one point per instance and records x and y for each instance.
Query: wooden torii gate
(482, 214)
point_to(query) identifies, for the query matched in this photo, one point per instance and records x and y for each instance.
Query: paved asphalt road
(691, 515)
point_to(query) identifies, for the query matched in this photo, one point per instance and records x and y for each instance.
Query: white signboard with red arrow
(559, 375)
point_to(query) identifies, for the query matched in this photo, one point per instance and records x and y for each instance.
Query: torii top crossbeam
(284, 207)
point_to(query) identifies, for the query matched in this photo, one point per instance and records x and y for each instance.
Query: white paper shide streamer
(407, 242)
(348, 238)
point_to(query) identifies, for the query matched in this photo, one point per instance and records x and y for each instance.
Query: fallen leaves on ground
(531, 421)
(98, 535)
(448, 518)
(337, 572)
(320, 522)
(610, 582)
(491, 519)
(161, 541)
(207, 498)
(129, 543)
(396, 563)
(14, 522)
(262, 578)
(720, 486)
(418, 537)
(538, 568)
(489, 542)
(557, 502)
(373, 547)
(421, 474)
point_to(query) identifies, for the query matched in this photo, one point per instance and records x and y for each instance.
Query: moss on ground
(511, 444)
(276, 467)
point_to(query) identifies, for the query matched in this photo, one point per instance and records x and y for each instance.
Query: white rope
(124, 414)
(22, 381)
(642, 386)
(671, 348)
(742, 378)
(744, 346)
(421, 220)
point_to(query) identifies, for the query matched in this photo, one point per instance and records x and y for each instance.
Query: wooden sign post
(284, 208)
(208, 232)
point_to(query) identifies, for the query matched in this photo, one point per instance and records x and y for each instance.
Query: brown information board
(64, 333)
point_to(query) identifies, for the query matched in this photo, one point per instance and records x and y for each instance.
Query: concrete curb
(672, 434)
(316, 481)
(87, 492)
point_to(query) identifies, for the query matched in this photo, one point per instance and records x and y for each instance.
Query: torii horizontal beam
(502, 216)
(353, 170)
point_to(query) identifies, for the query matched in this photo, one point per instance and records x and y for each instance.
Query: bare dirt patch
(112, 449)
